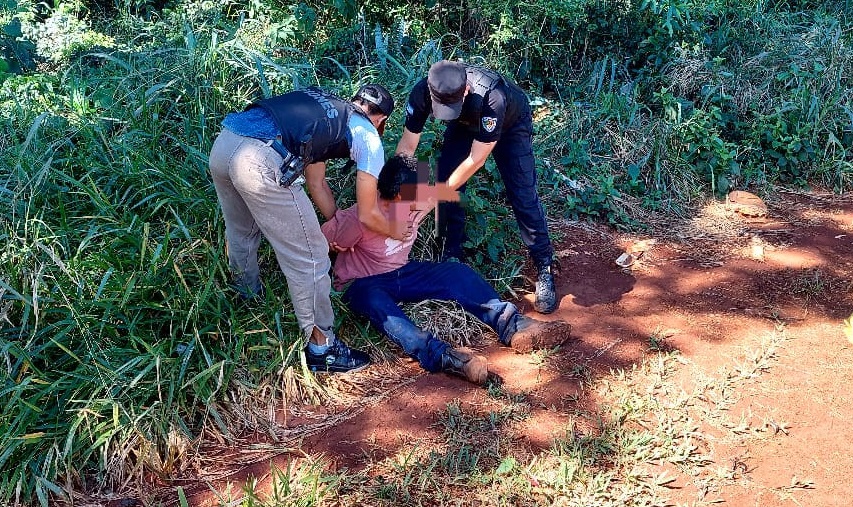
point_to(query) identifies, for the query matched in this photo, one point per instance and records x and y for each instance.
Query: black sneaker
(338, 359)
(546, 294)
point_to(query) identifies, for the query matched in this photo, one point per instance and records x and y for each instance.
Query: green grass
(120, 339)
(650, 432)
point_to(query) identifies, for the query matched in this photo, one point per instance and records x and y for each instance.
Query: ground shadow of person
(596, 282)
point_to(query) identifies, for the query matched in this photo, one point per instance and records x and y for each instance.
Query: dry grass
(114, 253)
(450, 322)
(253, 423)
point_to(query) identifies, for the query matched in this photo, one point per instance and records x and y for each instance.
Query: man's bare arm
(318, 188)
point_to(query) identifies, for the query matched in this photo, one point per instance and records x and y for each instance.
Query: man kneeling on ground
(378, 276)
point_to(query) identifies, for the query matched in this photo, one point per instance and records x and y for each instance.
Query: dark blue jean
(513, 155)
(377, 297)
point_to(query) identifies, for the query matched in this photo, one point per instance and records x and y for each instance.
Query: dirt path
(754, 308)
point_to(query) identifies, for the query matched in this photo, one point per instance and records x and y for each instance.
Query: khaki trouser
(244, 174)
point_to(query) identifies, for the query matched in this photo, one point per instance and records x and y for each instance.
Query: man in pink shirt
(376, 275)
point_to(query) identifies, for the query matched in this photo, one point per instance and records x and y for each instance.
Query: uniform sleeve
(344, 228)
(418, 108)
(492, 116)
(366, 150)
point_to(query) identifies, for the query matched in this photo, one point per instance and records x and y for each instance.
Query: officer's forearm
(479, 153)
(463, 173)
(408, 143)
(325, 200)
(374, 220)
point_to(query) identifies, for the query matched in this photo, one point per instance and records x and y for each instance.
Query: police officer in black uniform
(260, 163)
(485, 114)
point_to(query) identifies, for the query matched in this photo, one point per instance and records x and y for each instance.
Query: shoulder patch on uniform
(409, 109)
(489, 123)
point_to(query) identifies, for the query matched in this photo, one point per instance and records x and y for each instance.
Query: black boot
(466, 364)
(546, 294)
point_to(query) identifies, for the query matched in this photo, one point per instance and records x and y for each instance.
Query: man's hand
(334, 247)
(401, 230)
(440, 192)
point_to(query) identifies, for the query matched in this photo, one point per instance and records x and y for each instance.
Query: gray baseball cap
(447, 81)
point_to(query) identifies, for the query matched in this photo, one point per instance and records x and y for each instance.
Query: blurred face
(419, 195)
(412, 197)
(378, 121)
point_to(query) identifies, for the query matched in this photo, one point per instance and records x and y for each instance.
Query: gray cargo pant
(244, 174)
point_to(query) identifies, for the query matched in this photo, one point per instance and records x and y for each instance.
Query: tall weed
(121, 340)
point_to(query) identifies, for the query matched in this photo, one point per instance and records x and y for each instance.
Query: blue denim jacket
(255, 122)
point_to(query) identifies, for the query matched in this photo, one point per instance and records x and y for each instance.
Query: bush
(120, 339)
(16, 53)
(62, 34)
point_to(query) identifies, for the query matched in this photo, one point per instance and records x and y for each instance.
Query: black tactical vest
(482, 81)
(313, 123)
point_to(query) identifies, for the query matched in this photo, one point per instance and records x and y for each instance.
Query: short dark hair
(396, 170)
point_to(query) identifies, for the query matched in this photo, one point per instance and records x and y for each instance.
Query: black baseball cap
(447, 81)
(378, 96)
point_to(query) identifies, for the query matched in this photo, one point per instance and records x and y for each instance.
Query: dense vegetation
(119, 338)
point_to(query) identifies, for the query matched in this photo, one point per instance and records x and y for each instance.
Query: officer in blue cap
(485, 114)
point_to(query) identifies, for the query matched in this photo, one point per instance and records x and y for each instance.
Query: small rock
(625, 260)
(746, 204)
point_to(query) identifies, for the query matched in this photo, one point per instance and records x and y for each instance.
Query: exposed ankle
(319, 342)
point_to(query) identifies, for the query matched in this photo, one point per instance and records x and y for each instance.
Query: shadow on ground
(699, 294)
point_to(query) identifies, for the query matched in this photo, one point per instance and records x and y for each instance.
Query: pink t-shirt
(371, 253)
